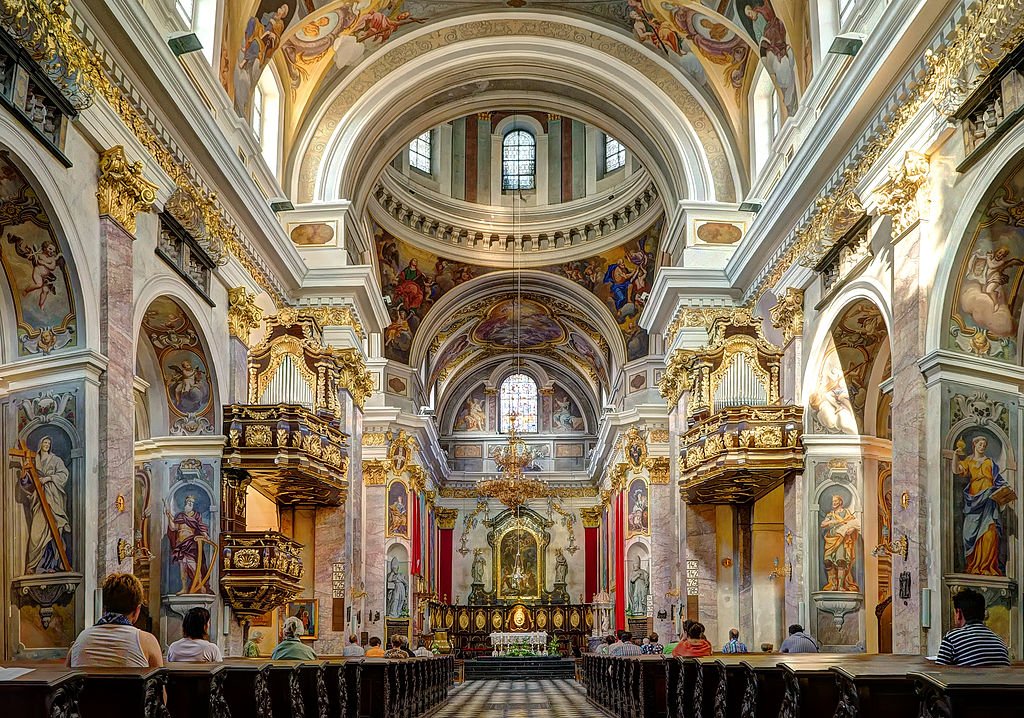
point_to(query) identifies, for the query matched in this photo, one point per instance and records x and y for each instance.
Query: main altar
(535, 642)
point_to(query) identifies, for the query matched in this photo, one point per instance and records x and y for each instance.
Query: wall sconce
(905, 500)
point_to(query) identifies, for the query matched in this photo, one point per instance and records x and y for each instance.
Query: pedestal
(477, 595)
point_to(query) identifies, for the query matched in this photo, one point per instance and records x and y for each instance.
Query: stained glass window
(419, 153)
(614, 154)
(518, 160)
(519, 396)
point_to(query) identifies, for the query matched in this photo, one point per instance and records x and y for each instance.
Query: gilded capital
(445, 517)
(788, 314)
(123, 192)
(897, 196)
(375, 472)
(353, 375)
(658, 469)
(591, 516)
(331, 315)
(243, 313)
(676, 380)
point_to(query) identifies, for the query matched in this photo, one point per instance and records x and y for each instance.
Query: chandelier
(512, 487)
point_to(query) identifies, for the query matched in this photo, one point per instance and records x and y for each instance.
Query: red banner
(444, 568)
(620, 565)
(590, 541)
(414, 505)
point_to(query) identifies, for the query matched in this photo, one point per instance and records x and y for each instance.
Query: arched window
(266, 117)
(519, 396)
(518, 160)
(419, 153)
(614, 154)
(766, 118)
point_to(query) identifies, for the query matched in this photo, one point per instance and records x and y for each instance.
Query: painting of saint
(985, 495)
(638, 518)
(565, 416)
(398, 512)
(188, 536)
(187, 385)
(473, 414)
(766, 28)
(307, 611)
(526, 324)
(983, 290)
(262, 38)
(43, 489)
(830, 402)
(518, 571)
(840, 537)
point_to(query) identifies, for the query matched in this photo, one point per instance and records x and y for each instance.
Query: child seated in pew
(195, 647)
(114, 642)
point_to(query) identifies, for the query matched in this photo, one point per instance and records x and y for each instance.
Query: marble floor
(517, 699)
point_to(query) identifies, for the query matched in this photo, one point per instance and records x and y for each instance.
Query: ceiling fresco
(413, 280)
(538, 325)
(315, 44)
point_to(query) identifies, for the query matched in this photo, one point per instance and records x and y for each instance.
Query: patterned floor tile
(517, 699)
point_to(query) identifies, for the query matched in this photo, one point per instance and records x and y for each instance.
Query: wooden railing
(330, 687)
(797, 686)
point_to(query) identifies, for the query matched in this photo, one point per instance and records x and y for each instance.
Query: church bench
(247, 687)
(950, 692)
(123, 691)
(878, 687)
(196, 690)
(731, 679)
(404, 688)
(286, 696)
(763, 684)
(811, 688)
(673, 680)
(48, 692)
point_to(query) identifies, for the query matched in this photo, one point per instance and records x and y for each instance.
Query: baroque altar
(536, 641)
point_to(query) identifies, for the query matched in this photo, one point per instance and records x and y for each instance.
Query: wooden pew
(196, 690)
(247, 687)
(45, 692)
(763, 686)
(123, 691)
(878, 687)
(673, 680)
(950, 692)
(286, 699)
(811, 687)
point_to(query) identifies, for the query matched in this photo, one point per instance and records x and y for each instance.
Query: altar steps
(519, 669)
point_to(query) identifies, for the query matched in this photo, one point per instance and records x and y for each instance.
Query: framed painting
(307, 611)
(638, 520)
(396, 521)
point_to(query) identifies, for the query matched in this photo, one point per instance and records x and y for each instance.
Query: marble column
(122, 193)
(243, 317)
(909, 460)
(664, 552)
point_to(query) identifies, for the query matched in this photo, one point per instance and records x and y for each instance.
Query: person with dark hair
(735, 645)
(353, 648)
(798, 641)
(114, 642)
(194, 646)
(653, 647)
(625, 646)
(396, 650)
(695, 645)
(375, 650)
(603, 649)
(407, 648)
(422, 651)
(971, 643)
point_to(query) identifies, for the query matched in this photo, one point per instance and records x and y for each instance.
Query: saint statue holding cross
(42, 488)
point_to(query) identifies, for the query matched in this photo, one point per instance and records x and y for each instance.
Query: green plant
(554, 646)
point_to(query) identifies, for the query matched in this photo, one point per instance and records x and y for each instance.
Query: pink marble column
(909, 459)
(117, 402)
(664, 553)
(328, 550)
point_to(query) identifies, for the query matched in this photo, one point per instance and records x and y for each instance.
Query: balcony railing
(738, 454)
(291, 454)
(260, 571)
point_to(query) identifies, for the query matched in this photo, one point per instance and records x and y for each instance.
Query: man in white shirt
(422, 651)
(195, 647)
(353, 648)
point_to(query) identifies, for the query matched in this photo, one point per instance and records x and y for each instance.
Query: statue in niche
(985, 495)
(639, 587)
(479, 566)
(842, 527)
(43, 489)
(397, 591)
(561, 567)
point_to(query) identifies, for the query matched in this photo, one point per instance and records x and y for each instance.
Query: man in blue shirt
(734, 645)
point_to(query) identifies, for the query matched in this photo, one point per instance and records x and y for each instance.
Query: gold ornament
(898, 195)
(788, 314)
(243, 313)
(122, 191)
(375, 472)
